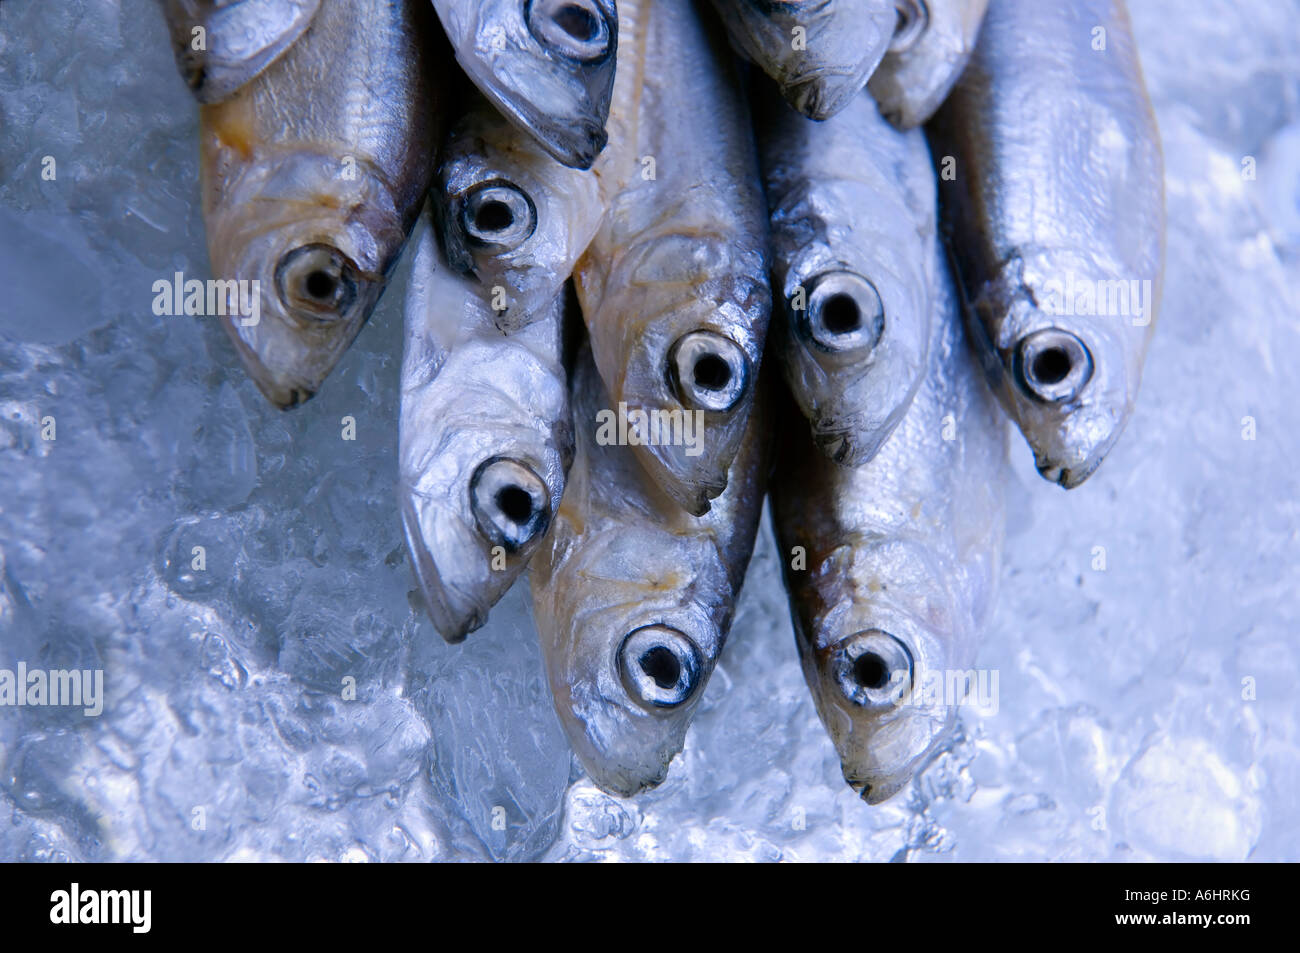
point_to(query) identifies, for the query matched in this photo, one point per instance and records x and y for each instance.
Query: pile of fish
(629, 205)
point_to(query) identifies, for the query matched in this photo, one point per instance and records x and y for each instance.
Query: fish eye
(874, 670)
(913, 17)
(575, 29)
(498, 215)
(1052, 365)
(708, 371)
(316, 282)
(660, 666)
(510, 502)
(844, 313)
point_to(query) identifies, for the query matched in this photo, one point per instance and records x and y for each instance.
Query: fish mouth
(453, 613)
(844, 313)
(283, 391)
(876, 790)
(821, 93)
(1070, 477)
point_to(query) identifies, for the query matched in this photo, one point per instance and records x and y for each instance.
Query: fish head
(221, 47)
(501, 221)
(858, 342)
(1070, 382)
(317, 247)
(628, 665)
(877, 666)
(691, 322)
(931, 45)
(472, 519)
(820, 53)
(548, 65)
(483, 457)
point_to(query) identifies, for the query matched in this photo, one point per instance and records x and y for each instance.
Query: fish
(674, 287)
(852, 205)
(547, 65)
(633, 597)
(819, 52)
(485, 439)
(932, 43)
(1051, 193)
(222, 45)
(891, 567)
(510, 214)
(313, 176)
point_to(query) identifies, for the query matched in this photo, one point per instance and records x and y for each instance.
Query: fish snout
(1052, 365)
(844, 313)
(873, 670)
(660, 667)
(510, 502)
(578, 30)
(708, 371)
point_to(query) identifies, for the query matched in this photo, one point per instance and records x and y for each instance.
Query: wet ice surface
(1122, 731)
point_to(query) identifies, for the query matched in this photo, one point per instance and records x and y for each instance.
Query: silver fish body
(891, 567)
(548, 65)
(313, 176)
(1054, 213)
(485, 441)
(819, 52)
(852, 204)
(222, 45)
(633, 597)
(674, 287)
(931, 46)
(510, 214)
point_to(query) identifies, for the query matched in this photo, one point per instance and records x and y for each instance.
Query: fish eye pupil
(320, 285)
(840, 314)
(578, 22)
(515, 503)
(870, 671)
(1051, 365)
(711, 372)
(493, 216)
(661, 665)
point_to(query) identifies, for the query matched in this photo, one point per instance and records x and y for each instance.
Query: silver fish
(633, 598)
(931, 46)
(548, 65)
(819, 52)
(221, 45)
(853, 234)
(1053, 204)
(485, 440)
(675, 287)
(891, 567)
(313, 175)
(510, 214)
